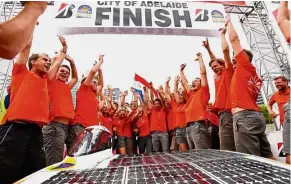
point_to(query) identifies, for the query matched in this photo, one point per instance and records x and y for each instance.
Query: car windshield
(91, 140)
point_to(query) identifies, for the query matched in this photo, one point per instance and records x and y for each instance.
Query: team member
(61, 111)
(87, 104)
(118, 123)
(158, 126)
(178, 107)
(281, 97)
(283, 19)
(20, 133)
(195, 108)
(223, 70)
(249, 123)
(16, 32)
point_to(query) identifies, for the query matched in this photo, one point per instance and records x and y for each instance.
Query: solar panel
(195, 166)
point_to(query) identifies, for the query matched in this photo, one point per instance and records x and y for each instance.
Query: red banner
(144, 82)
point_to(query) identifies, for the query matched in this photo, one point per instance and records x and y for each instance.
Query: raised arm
(283, 19)
(167, 90)
(233, 37)
(176, 94)
(151, 92)
(207, 46)
(100, 78)
(93, 71)
(123, 98)
(59, 59)
(203, 73)
(225, 48)
(102, 101)
(24, 54)
(74, 78)
(183, 78)
(16, 32)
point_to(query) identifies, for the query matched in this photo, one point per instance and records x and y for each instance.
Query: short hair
(34, 57)
(218, 60)
(83, 79)
(282, 78)
(66, 66)
(250, 54)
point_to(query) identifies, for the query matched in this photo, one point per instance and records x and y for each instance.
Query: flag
(144, 82)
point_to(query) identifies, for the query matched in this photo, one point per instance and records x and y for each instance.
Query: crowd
(41, 118)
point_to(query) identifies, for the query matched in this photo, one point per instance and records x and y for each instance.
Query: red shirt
(196, 105)
(281, 99)
(143, 126)
(158, 120)
(61, 101)
(222, 84)
(106, 122)
(245, 85)
(170, 119)
(213, 118)
(29, 100)
(179, 114)
(119, 124)
(86, 107)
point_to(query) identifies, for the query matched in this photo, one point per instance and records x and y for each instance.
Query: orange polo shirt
(158, 120)
(119, 124)
(143, 125)
(196, 105)
(61, 101)
(29, 100)
(222, 84)
(213, 118)
(106, 122)
(179, 114)
(281, 98)
(86, 107)
(245, 85)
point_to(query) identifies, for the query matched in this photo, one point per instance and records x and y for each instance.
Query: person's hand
(182, 67)
(177, 78)
(132, 90)
(168, 80)
(227, 20)
(151, 85)
(222, 30)
(206, 44)
(114, 129)
(64, 44)
(70, 59)
(100, 58)
(145, 89)
(135, 130)
(199, 57)
(209, 107)
(36, 5)
(161, 89)
(125, 93)
(274, 115)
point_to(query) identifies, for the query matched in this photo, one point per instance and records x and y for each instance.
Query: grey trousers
(73, 132)
(249, 133)
(160, 139)
(54, 137)
(198, 136)
(286, 128)
(226, 135)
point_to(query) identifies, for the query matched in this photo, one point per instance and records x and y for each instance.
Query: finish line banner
(139, 17)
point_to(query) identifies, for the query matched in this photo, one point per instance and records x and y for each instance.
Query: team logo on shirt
(254, 86)
(217, 16)
(201, 15)
(65, 10)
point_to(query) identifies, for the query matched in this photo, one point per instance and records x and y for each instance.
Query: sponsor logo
(84, 11)
(201, 15)
(66, 164)
(65, 10)
(217, 16)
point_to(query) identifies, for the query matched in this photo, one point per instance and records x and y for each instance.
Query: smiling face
(63, 74)
(39, 63)
(196, 84)
(217, 67)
